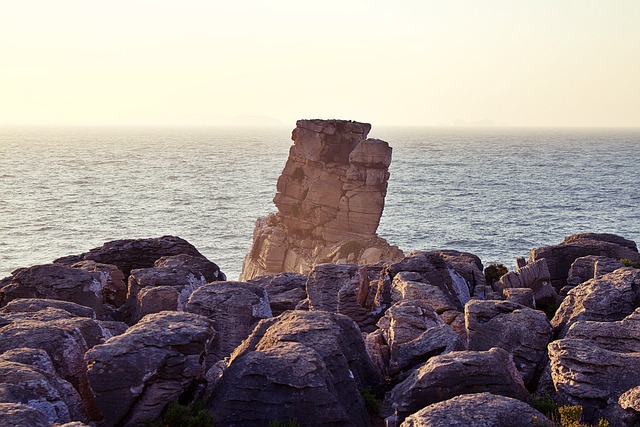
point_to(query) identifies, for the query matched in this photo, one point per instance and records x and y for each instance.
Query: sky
(387, 62)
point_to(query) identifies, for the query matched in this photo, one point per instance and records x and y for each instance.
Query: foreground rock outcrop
(330, 197)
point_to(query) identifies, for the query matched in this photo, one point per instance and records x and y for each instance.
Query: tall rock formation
(330, 197)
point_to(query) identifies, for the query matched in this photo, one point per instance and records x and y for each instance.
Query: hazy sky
(388, 62)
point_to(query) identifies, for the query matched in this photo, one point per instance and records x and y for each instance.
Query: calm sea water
(496, 192)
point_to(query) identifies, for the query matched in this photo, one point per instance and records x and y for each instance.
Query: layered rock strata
(330, 197)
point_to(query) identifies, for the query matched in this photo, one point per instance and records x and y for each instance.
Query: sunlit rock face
(330, 197)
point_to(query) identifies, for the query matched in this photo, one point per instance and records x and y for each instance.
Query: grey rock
(18, 415)
(534, 275)
(478, 410)
(32, 305)
(114, 291)
(285, 290)
(131, 254)
(136, 374)
(608, 298)
(591, 267)
(298, 364)
(522, 296)
(198, 265)
(456, 373)
(235, 308)
(520, 330)
(560, 257)
(58, 282)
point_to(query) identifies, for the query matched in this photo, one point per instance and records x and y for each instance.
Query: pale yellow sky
(388, 62)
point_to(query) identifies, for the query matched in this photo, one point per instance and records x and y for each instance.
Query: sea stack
(330, 198)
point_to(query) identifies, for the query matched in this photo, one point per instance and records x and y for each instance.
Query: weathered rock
(520, 330)
(534, 275)
(523, 296)
(430, 268)
(114, 291)
(330, 197)
(478, 410)
(285, 290)
(608, 298)
(53, 281)
(198, 265)
(593, 377)
(629, 403)
(32, 305)
(467, 265)
(18, 415)
(183, 281)
(235, 307)
(456, 373)
(136, 374)
(131, 254)
(306, 365)
(27, 376)
(591, 267)
(622, 336)
(434, 341)
(560, 257)
(403, 323)
(64, 337)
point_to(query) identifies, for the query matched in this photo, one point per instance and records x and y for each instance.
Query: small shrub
(546, 406)
(628, 263)
(290, 423)
(494, 272)
(177, 415)
(570, 416)
(371, 402)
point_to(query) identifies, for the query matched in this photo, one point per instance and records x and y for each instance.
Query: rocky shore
(330, 325)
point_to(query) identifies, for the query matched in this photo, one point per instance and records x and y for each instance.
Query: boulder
(114, 291)
(130, 254)
(457, 373)
(430, 268)
(27, 376)
(285, 290)
(64, 337)
(32, 305)
(330, 197)
(522, 296)
(630, 403)
(183, 281)
(17, 415)
(478, 410)
(197, 265)
(305, 365)
(608, 298)
(136, 374)
(234, 307)
(591, 267)
(560, 257)
(534, 275)
(465, 264)
(58, 282)
(520, 330)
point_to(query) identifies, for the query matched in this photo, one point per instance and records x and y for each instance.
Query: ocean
(496, 192)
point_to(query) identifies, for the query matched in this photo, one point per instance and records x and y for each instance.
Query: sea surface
(495, 192)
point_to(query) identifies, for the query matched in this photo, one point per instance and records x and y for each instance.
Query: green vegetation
(290, 423)
(563, 416)
(371, 402)
(494, 272)
(629, 263)
(177, 415)
(546, 406)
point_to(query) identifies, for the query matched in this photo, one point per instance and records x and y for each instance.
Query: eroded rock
(330, 197)
(478, 410)
(136, 374)
(285, 290)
